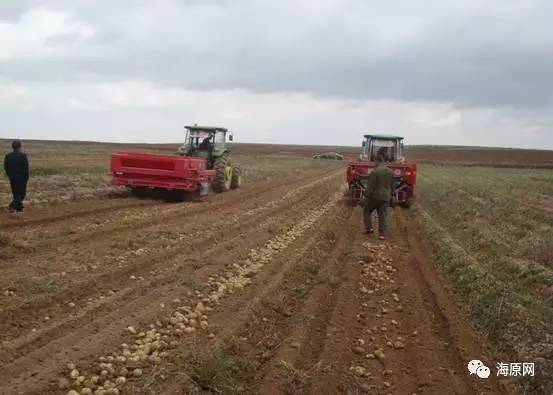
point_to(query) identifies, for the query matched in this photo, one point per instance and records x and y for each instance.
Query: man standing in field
(378, 194)
(16, 167)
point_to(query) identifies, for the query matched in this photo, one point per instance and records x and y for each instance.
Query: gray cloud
(11, 10)
(483, 64)
(459, 52)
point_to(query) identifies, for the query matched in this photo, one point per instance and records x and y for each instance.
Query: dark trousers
(381, 208)
(19, 190)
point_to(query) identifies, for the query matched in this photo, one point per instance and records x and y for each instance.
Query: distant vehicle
(329, 155)
(405, 173)
(203, 161)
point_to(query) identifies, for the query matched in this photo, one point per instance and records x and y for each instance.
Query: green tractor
(209, 142)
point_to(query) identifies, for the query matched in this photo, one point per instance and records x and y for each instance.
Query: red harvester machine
(140, 171)
(405, 174)
(202, 161)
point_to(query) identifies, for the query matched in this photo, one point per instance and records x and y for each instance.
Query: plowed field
(271, 288)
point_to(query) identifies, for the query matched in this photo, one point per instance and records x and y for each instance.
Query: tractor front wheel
(223, 174)
(236, 178)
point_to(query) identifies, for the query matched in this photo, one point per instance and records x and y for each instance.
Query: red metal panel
(159, 171)
(407, 172)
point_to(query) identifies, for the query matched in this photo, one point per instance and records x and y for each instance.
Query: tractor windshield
(196, 137)
(389, 148)
(384, 148)
(197, 143)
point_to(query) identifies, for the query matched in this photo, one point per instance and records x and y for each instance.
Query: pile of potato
(149, 348)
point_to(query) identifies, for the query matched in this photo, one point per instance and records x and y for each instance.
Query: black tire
(139, 192)
(176, 196)
(236, 177)
(222, 180)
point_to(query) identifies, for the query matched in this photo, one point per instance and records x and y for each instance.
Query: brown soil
(307, 297)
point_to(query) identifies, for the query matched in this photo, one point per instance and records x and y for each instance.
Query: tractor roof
(383, 136)
(207, 128)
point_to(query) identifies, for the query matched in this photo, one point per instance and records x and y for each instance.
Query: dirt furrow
(90, 226)
(115, 277)
(60, 264)
(261, 307)
(294, 207)
(291, 364)
(272, 289)
(392, 333)
(386, 328)
(70, 211)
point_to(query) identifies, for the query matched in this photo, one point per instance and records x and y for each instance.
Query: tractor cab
(391, 147)
(205, 141)
(205, 161)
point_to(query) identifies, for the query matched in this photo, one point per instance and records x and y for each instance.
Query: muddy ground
(272, 288)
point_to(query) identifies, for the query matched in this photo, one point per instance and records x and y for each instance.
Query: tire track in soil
(301, 338)
(425, 342)
(324, 320)
(148, 296)
(111, 225)
(397, 313)
(93, 253)
(255, 306)
(29, 311)
(287, 341)
(49, 220)
(460, 341)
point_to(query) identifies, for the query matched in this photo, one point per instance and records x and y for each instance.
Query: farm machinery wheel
(223, 174)
(236, 179)
(407, 204)
(139, 192)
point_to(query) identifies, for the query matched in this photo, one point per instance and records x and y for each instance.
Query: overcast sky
(469, 72)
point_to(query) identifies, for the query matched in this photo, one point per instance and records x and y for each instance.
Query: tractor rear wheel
(236, 177)
(223, 174)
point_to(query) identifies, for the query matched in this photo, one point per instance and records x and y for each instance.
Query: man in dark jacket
(16, 167)
(205, 145)
(378, 195)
